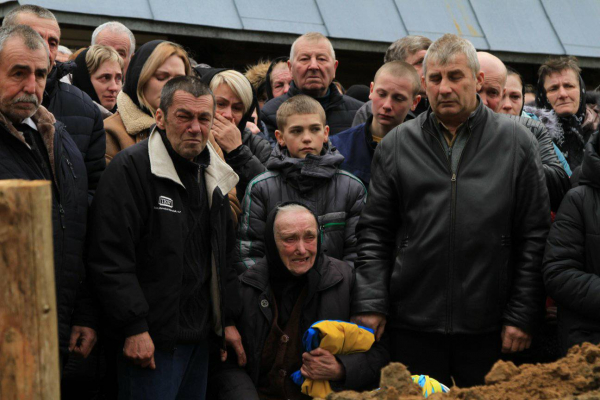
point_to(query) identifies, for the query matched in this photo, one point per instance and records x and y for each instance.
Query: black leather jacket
(557, 179)
(457, 253)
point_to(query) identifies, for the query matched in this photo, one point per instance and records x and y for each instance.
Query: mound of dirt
(574, 377)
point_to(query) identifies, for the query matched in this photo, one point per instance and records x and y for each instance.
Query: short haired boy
(394, 91)
(304, 168)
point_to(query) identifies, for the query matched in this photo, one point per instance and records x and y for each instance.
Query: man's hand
(226, 134)
(233, 339)
(321, 365)
(374, 321)
(82, 340)
(139, 349)
(514, 339)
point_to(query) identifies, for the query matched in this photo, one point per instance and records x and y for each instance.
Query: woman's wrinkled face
(107, 82)
(229, 105)
(296, 239)
(171, 68)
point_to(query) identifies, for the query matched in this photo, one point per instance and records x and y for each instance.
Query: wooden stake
(29, 363)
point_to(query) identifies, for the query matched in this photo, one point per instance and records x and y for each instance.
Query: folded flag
(429, 385)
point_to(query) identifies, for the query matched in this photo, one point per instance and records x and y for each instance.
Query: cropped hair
(188, 84)
(238, 83)
(98, 55)
(559, 64)
(400, 69)
(299, 105)
(312, 37)
(40, 12)
(446, 48)
(160, 54)
(115, 27)
(31, 39)
(401, 49)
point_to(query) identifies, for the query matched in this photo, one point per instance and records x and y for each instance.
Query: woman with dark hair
(99, 73)
(283, 294)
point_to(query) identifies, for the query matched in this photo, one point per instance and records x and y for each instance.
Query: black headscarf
(82, 78)
(135, 69)
(571, 124)
(287, 287)
(268, 87)
(206, 75)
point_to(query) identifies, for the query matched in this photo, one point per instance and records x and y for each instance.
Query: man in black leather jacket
(494, 82)
(452, 235)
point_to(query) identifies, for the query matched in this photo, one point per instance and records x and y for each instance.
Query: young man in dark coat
(160, 247)
(303, 167)
(292, 287)
(452, 236)
(312, 64)
(68, 104)
(33, 146)
(572, 260)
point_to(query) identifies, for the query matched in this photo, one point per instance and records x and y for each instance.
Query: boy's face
(303, 134)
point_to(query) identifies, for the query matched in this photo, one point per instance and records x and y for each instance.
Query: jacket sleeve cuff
(135, 328)
(352, 380)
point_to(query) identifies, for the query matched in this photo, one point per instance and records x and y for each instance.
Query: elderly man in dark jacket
(451, 238)
(312, 64)
(294, 286)
(68, 104)
(572, 261)
(160, 246)
(33, 146)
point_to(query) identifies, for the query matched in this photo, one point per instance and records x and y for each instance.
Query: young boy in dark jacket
(305, 168)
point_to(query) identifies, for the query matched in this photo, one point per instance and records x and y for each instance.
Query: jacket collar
(258, 275)
(217, 174)
(335, 97)
(134, 119)
(476, 117)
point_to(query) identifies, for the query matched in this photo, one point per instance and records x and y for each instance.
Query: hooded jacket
(135, 253)
(337, 197)
(329, 284)
(69, 211)
(339, 111)
(132, 123)
(571, 262)
(454, 253)
(81, 118)
(248, 159)
(577, 128)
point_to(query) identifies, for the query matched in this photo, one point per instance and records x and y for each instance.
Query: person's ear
(371, 90)
(479, 78)
(279, 137)
(326, 134)
(160, 119)
(416, 101)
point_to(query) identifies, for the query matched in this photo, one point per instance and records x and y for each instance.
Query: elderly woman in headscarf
(561, 88)
(292, 287)
(236, 101)
(99, 73)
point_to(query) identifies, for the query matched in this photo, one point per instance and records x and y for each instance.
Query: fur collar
(134, 119)
(550, 120)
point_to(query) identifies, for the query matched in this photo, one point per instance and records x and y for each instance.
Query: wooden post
(29, 363)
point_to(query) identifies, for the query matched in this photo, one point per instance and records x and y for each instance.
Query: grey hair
(64, 50)
(443, 51)
(115, 27)
(401, 49)
(40, 12)
(312, 36)
(187, 84)
(31, 38)
(294, 207)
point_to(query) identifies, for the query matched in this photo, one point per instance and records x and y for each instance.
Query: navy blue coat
(69, 212)
(357, 151)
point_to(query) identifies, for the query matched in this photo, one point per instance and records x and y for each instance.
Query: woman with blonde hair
(99, 73)
(236, 101)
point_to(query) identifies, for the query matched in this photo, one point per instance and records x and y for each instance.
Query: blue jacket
(357, 150)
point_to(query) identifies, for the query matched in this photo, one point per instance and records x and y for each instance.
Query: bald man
(492, 90)
(494, 80)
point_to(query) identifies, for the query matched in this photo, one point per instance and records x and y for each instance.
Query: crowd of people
(206, 222)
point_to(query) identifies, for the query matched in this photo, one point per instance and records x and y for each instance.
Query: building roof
(523, 30)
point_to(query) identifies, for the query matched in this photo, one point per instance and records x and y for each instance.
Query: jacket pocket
(396, 280)
(332, 227)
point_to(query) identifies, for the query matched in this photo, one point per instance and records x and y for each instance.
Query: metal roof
(522, 27)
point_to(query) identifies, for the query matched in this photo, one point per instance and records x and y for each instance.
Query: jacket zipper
(453, 179)
(71, 167)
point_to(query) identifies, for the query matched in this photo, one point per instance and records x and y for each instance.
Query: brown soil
(575, 377)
